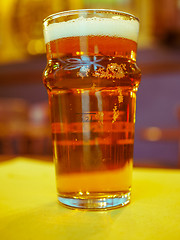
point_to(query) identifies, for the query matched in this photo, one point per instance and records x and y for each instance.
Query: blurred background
(24, 116)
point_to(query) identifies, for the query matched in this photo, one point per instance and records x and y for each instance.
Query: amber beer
(92, 78)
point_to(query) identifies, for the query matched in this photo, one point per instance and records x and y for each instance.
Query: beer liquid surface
(92, 45)
(93, 100)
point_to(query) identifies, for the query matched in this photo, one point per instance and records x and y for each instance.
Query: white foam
(92, 26)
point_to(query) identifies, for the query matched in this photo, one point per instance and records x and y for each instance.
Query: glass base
(100, 203)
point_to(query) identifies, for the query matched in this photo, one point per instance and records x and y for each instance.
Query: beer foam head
(112, 27)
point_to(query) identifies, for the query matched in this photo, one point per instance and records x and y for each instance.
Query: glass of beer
(92, 78)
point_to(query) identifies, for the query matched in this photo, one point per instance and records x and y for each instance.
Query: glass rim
(73, 12)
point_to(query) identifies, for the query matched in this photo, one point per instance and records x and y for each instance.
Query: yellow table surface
(29, 207)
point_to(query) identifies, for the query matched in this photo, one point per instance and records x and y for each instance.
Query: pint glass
(92, 79)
